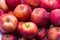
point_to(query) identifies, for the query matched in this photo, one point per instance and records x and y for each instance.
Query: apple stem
(27, 25)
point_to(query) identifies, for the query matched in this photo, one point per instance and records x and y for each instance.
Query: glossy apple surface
(55, 17)
(23, 12)
(40, 17)
(28, 29)
(8, 23)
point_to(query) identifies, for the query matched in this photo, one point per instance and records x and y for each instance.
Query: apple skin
(12, 3)
(33, 3)
(55, 17)
(50, 4)
(41, 33)
(3, 5)
(8, 23)
(40, 17)
(27, 39)
(28, 29)
(45, 4)
(2, 12)
(23, 12)
(9, 37)
(54, 33)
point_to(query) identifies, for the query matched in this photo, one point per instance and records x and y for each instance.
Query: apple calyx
(40, 30)
(8, 20)
(22, 8)
(27, 25)
(7, 37)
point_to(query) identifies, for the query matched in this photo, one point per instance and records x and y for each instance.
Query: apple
(3, 5)
(40, 17)
(9, 37)
(46, 38)
(41, 33)
(45, 4)
(33, 3)
(54, 33)
(23, 12)
(8, 23)
(1, 12)
(12, 3)
(50, 4)
(55, 17)
(28, 29)
(22, 38)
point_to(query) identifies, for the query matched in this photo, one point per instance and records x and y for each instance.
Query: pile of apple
(30, 19)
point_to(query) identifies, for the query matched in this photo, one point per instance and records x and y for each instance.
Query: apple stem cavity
(7, 37)
(27, 25)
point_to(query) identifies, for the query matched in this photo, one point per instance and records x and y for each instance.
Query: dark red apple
(28, 29)
(23, 12)
(8, 23)
(41, 33)
(12, 3)
(40, 17)
(32, 3)
(54, 33)
(9, 37)
(3, 5)
(50, 4)
(55, 17)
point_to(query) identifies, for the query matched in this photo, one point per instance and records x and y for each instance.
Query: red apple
(55, 17)
(46, 38)
(27, 39)
(3, 5)
(50, 4)
(9, 37)
(40, 16)
(28, 29)
(12, 3)
(41, 33)
(8, 23)
(22, 12)
(32, 3)
(45, 4)
(54, 33)
(1, 12)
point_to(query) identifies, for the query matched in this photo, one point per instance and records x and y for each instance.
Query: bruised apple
(40, 17)
(28, 29)
(9, 37)
(8, 23)
(23, 12)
